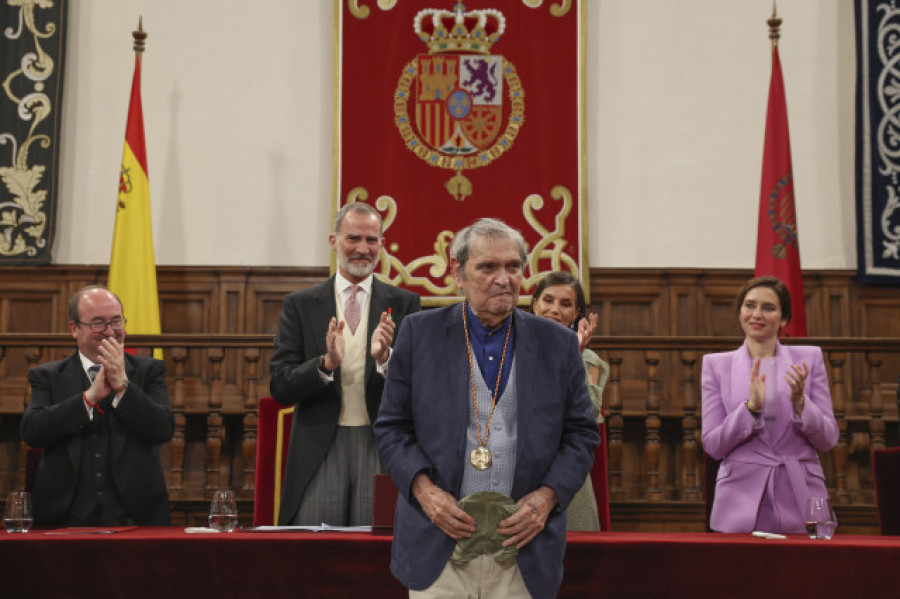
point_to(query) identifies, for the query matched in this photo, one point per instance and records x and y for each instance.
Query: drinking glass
(819, 518)
(827, 527)
(17, 514)
(223, 515)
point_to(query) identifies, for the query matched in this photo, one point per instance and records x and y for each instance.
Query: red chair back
(886, 467)
(600, 479)
(273, 434)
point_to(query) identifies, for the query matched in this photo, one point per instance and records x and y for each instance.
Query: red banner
(449, 113)
(777, 244)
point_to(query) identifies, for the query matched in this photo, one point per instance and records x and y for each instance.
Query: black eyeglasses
(98, 326)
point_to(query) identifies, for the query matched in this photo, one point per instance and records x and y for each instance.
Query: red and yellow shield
(459, 101)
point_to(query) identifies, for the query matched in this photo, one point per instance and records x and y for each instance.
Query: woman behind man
(559, 297)
(766, 411)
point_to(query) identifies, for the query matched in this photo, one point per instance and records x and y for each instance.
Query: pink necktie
(351, 310)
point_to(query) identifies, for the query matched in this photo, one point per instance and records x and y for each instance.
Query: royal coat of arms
(459, 107)
(782, 216)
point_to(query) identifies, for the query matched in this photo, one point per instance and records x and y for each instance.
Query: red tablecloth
(161, 562)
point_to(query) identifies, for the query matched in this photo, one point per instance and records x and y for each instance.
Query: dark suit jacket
(422, 427)
(55, 416)
(295, 379)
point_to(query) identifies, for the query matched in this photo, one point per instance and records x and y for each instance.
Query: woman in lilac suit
(766, 412)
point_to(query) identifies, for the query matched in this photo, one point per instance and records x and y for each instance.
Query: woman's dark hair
(559, 277)
(773, 283)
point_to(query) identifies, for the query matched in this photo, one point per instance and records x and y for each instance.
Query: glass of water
(820, 520)
(826, 527)
(223, 515)
(17, 513)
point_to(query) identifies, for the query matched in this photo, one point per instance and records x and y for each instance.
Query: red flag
(777, 244)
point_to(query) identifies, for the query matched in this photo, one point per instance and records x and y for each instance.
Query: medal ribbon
(472, 378)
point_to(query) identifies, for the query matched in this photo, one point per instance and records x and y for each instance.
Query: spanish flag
(132, 267)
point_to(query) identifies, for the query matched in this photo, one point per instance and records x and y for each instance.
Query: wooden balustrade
(839, 404)
(176, 391)
(615, 425)
(653, 424)
(690, 428)
(652, 402)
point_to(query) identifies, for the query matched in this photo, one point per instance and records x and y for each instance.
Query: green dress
(582, 510)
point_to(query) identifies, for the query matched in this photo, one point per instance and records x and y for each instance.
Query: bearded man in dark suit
(331, 353)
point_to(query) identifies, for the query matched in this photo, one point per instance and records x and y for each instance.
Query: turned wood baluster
(615, 426)
(2, 357)
(689, 424)
(19, 475)
(214, 428)
(653, 425)
(33, 356)
(839, 404)
(876, 423)
(176, 446)
(251, 402)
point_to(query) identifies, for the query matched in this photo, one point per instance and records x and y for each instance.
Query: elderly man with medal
(486, 427)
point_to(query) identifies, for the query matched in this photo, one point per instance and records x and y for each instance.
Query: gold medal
(481, 458)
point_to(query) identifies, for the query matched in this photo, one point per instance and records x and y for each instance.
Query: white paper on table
(320, 528)
(200, 529)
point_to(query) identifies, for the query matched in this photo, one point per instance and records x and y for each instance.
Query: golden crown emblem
(459, 30)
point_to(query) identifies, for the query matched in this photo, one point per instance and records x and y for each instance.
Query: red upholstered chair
(600, 479)
(384, 502)
(886, 467)
(600, 469)
(273, 434)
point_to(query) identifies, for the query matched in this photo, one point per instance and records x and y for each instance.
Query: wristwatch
(322, 368)
(122, 389)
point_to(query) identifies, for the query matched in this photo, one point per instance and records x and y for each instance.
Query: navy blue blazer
(422, 424)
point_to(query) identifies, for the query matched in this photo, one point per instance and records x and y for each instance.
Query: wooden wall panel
(660, 435)
(186, 312)
(31, 312)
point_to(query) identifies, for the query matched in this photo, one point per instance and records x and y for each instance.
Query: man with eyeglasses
(99, 415)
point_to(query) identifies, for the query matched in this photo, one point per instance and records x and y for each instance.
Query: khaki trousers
(481, 578)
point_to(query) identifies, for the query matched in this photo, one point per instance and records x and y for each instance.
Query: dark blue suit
(422, 424)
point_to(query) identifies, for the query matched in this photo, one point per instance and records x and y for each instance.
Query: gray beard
(357, 271)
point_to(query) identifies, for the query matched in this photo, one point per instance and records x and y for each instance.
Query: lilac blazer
(777, 459)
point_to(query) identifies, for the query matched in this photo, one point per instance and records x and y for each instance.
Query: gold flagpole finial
(774, 25)
(139, 36)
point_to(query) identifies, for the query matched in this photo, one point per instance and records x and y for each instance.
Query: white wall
(238, 115)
